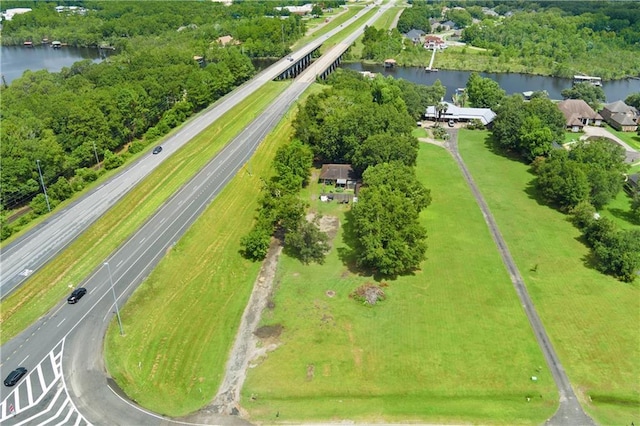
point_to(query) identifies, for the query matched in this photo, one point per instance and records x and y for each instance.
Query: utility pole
(95, 151)
(44, 188)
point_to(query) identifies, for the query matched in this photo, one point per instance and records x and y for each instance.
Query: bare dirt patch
(269, 331)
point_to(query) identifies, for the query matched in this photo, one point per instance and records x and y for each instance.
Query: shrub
(136, 147)
(112, 161)
(368, 294)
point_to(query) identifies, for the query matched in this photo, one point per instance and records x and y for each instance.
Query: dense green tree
(619, 254)
(510, 116)
(385, 148)
(390, 239)
(591, 94)
(562, 181)
(633, 100)
(484, 92)
(460, 17)
(293, 161)
(307, 242)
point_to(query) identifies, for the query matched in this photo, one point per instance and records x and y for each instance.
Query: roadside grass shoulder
(591, 318)
(182, 321)
(383, 22)
(450, 344)
(50, 285)
(338, 37)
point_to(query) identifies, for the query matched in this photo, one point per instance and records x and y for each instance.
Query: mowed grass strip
(50, 285)
(451, 343)
(182, 321)
(591, 318)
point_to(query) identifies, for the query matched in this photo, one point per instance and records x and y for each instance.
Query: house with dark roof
(621, 116)
(415, 35)
(579, 114)
(341, 175)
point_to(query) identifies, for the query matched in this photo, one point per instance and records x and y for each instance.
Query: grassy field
(172, 359)
(46, 288)
(383, 22)
(591, 318)
(450, 344)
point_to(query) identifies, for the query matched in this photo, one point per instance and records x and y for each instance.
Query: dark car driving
(14, 376)
(77, 295)
(157, 150)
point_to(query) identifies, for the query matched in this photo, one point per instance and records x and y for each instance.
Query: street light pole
(115, 301)
(44, 188)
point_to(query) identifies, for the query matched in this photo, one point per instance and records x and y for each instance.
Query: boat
(596, 81)
(56, 44)
(28, 44)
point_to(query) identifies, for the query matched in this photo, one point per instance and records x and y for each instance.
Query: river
(17, 59)
(511, 83)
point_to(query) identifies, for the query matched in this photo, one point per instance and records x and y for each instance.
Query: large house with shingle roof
(620, 116)
(579, 114)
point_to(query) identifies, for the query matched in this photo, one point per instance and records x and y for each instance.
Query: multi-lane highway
(78, 387)
(30, 252)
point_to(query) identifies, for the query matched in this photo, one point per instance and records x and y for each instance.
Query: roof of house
(635, 178)
(449, 24)
(433, 38)
(577, 109)
(485, 115)
(224, 40)
(619, 106)
(623, 119)
(414, 34)
(337, 171)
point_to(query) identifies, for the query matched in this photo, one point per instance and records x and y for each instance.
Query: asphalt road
(570, 412)
(30, 252)
(78, 383)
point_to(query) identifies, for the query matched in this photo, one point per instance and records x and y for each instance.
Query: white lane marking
(22, 362)
(43, 384)
(142, 240)
(60, 323)
(29, 391)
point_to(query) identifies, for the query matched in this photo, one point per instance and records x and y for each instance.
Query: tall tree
(591, 94)
(389, 237)
(484, 92)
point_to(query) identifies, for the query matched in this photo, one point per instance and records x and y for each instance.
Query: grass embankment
(591, 318)
(339, 36)
(383, 22)
(450, 344)
(182, 321)
(46, 288)
(335, 20)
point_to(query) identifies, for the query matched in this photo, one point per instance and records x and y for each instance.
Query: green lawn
(87, 252)
(181, 322)
(591, 318)
(631, 138)
(450, 344)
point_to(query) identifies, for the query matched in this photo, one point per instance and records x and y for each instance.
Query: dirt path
(245, 349)
(570, 412)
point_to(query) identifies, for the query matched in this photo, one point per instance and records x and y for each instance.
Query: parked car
(76, 295)
(157, 150)
(15, 376)
(451, 123)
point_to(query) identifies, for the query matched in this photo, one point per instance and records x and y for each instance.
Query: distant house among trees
(579, 114)
(298, 10)
(620, 116)
(225, 40)
(415, 35)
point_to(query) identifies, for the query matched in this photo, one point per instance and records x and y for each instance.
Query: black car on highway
(77, 295)
(157, 150)
(14, 376)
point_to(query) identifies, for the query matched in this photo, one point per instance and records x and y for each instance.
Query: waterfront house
(620, 116)
(578, 114)
(461, 114)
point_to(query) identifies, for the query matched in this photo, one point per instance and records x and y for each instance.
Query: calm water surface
(15, 60)
(511, 83)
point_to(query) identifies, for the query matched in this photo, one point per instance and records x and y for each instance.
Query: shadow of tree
(625, 215)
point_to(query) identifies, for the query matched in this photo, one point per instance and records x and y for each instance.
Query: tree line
(578, 181)
(88, 113)
(366, 123)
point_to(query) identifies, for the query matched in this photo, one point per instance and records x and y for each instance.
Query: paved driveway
(632, 155)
